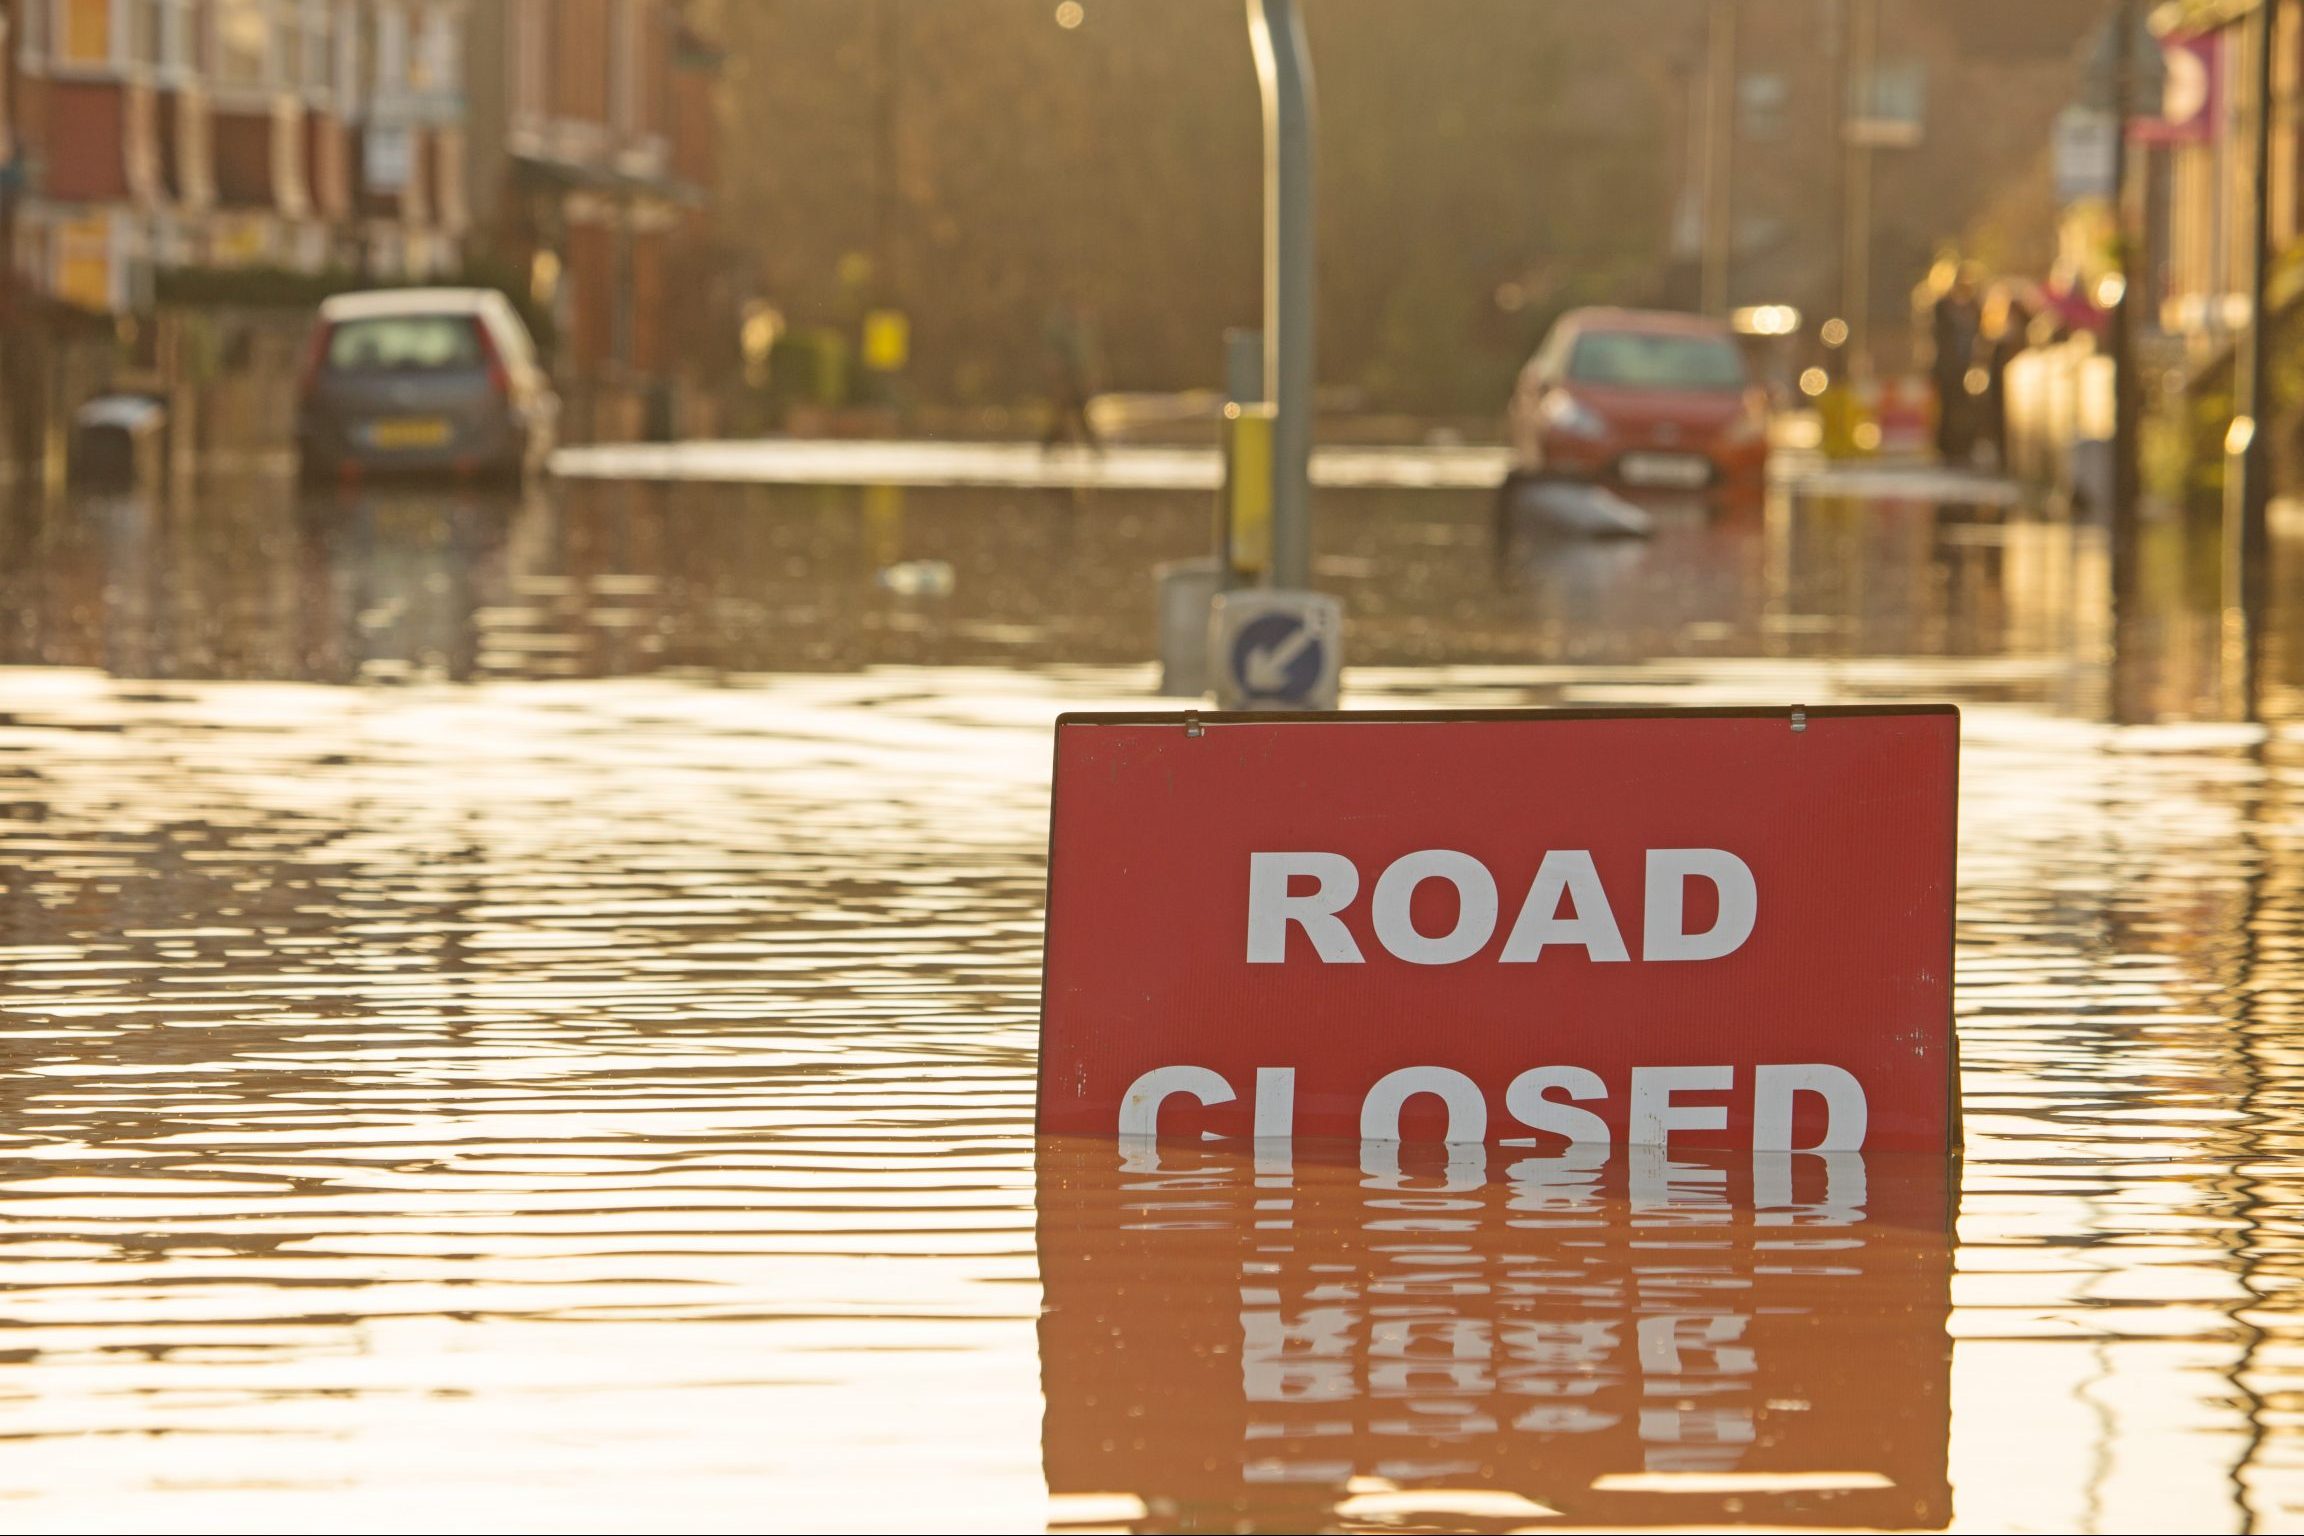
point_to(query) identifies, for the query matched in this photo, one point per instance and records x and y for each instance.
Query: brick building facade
(557, 146)
(301, 135)
(591, 166)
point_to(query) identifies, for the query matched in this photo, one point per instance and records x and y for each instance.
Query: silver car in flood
(422, 380)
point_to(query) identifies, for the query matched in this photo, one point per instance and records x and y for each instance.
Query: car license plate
(1681, 471)
(408, 432)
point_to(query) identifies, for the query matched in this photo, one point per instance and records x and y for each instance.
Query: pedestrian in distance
(1071, 362)
(1955, 323)
(2006, 332)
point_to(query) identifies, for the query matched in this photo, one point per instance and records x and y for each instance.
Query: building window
(160, 37)
(1893, 103)
(438, 50)
(348, 60)
(288, 45)
(319, 74)
(85, 263)
(84, 33)
(386, 156)
(243, 45)
(1762, 98)
(390, 78)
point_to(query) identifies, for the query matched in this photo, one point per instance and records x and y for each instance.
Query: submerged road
(522, 1013)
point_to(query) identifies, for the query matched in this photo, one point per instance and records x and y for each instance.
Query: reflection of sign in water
(1725, 927)
(1276, 1343)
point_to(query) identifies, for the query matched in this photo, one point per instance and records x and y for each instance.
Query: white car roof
(409, 301)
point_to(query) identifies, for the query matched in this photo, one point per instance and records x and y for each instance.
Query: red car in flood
(1641, 400)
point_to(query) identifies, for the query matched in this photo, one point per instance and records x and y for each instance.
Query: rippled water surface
(524, 1016)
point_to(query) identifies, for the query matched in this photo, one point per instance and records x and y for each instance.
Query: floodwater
(523, 1015)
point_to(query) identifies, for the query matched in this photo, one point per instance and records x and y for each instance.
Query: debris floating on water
(1578, 509)
(918, 578)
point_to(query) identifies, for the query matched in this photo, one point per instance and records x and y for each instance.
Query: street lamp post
(1284, 73)
(882, 291)
(2122, 525)
(2247, 540)
(1861, 58)
(1719, 154)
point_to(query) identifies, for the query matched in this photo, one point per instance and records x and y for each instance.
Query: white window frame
(115, 61)
(179, 60)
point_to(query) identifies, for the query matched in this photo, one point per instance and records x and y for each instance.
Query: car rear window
(1637, 360)
(403, 342)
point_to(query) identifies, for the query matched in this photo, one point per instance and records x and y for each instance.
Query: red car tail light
(315, 353)
(499, 378)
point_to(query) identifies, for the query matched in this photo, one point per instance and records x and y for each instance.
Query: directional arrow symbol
(1265, 669)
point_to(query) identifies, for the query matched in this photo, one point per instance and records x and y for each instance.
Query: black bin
(117, 443)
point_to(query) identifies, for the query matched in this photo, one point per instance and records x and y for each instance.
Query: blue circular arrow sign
(1278, 656)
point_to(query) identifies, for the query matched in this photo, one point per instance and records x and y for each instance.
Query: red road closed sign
(1724, 928)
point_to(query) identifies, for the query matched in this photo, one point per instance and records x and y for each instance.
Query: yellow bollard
(1849, 430)
(1245, 504)
(887, 340)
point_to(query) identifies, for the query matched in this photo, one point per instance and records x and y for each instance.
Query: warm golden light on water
(384, 1196)
(607, 1102)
